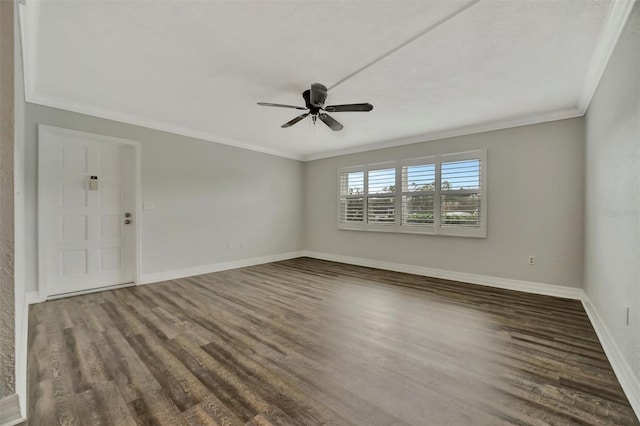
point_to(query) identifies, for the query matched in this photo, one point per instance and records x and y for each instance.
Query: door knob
(127, 214)
(126, 222)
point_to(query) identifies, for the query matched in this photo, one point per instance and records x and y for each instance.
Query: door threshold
(93, 290)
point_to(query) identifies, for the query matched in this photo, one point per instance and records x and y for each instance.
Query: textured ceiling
(199, 68)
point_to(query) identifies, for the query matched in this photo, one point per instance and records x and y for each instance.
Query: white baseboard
(21, 352)
(21, 359)
(628, 380)
(505, 283)
(10, 411)
(215, 267)
(92, 290)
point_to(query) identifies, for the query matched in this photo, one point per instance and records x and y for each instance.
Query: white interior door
(87, 203)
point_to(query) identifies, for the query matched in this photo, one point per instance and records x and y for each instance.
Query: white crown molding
(215, 267)
(29, 48)
(10, 411)
(613, 27)
(29, 37)
(465, 277)
(77, 134)
(166, 127)
(628, 380)
(454, 132)
(95, 111)
(28, 42)
(607, 41)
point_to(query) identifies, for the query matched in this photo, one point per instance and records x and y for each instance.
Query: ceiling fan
(314, 103)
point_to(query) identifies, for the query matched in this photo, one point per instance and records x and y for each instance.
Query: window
(418, 194)
(443, 194)
(351, 197)
(381, 204)
(460, 193)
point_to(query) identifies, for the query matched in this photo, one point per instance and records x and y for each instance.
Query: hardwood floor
(311, 342)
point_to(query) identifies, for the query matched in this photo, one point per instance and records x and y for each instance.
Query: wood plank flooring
(312, 342)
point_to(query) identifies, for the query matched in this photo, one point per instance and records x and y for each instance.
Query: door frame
(44, 130)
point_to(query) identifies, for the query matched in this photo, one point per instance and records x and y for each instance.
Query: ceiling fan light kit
(314, 100)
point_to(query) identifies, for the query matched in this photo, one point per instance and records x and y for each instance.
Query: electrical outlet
(229, 246)
(532, 260)
(242, 244)
(147, 205)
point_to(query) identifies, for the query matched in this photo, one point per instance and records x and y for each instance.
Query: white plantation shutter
(443, 194)
(351, 197)
(461, 193)
(418, 194)
(381, 204)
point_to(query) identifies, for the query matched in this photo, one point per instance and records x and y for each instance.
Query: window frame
(352, 225)
(416, 229)
(364, 225)
(379, 226)
(398, 226)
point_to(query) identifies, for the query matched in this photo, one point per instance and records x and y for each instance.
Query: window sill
(446, 232)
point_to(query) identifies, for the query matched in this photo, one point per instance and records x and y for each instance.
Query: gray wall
(535, 207)
(205, 195)
(612, 221)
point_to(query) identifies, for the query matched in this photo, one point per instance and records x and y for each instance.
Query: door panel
(85, 241)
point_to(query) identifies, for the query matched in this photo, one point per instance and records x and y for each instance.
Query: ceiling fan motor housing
(318, 95)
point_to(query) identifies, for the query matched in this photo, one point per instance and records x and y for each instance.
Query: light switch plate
(147, 205)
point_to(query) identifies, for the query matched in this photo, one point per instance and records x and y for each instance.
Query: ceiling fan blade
(280, 105)
(349, 108)
(294, 121)
(330, 121)
(318, 94)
